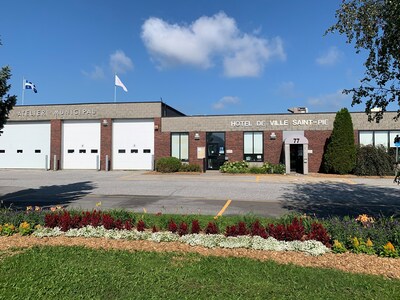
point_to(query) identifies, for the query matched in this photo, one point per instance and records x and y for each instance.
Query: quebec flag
(29, 86)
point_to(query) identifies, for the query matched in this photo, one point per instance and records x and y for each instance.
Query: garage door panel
(25, 145)
(133, 144)
(81, 144)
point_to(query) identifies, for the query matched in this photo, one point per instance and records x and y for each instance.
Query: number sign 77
(296, 140)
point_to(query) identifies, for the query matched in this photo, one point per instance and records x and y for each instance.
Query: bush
(234, 167)
(168, 165)
(190, 168)
(340, 155)
(273, 169)
(373, 161)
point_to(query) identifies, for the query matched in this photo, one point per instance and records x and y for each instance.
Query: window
(146, 151)
(82, 151)
(378, 138)
(20, 151)
(134, 151)
(253, 146)
(180, 146)
(94, 151)
(121, 151)
(38, 151)
(2, 151)
(71, 151)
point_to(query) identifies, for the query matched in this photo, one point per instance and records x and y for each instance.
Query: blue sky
(201, 57)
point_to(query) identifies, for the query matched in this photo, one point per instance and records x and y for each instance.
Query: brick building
(131, 136)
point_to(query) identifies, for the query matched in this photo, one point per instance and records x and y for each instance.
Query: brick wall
(316, 142)
(234, 142)
(55, 143)
(162, 141)
(273, 148)
(106, 144)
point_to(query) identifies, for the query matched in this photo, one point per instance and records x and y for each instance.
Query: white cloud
(120, 63)
(206, 40)
(330, 102)
(96, 73)
(330, 58)
(226, 101)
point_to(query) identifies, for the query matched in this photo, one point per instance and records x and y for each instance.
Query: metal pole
(46, 157)
(23, 90)
(115, 88)
(107, 162)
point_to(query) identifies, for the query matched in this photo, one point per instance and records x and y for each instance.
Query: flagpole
(115, 89)
(23, 89)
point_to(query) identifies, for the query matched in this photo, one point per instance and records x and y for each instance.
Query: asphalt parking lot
(206, 193)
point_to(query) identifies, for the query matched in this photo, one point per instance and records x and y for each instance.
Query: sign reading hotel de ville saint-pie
(277, 123)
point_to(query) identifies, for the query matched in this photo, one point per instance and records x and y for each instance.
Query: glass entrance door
(296, 158)
(215, 150)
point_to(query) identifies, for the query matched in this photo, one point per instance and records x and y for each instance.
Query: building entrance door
(215, 150)
(296, 158)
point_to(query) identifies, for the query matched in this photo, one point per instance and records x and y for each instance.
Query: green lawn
(80, 273)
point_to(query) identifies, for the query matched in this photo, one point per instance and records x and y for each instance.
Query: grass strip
(82, 273)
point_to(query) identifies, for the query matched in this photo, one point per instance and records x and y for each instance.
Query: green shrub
(256, 170)
(340, 155)
(235, 167)
(168, 164)
(190, 168)
(373, 161)
(274, 169)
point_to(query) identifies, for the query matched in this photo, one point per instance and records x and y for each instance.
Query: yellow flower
(37, 208)
(389, 247)
(337, 244)
(369, 243)
(98, 204)
(38, 226)
(28, 208)
(356, 242)
(24, 225)
(1, 228)
(365, 219)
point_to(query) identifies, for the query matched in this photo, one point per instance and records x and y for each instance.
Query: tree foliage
(340, 155)
(7, 102)
(374, 26)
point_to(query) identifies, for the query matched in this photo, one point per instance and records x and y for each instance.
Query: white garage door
(25, 145)
(133, 145)
(80, 144)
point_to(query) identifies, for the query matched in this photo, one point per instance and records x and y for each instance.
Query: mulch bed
(347, 262)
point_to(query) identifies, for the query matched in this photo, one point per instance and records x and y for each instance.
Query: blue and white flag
(29, 86)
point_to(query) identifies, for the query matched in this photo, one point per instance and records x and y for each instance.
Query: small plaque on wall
(229, 151)
(201, 152)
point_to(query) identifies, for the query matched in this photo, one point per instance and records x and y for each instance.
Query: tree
(340, 155)
(374, 25)
(6, 102)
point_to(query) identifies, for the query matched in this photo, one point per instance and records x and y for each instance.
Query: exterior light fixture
(196, 136)
(272, 136)
(104, 122)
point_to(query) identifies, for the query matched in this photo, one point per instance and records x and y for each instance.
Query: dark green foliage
(373, 161)
(7, 102)
(168, 165)
(190, 168)
(340, 155)
(373, 26)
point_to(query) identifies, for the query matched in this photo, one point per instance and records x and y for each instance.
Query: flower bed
(363, 234)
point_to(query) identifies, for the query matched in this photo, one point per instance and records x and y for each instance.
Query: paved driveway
(207, 193)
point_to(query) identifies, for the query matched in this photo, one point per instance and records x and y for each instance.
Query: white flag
(118, 82)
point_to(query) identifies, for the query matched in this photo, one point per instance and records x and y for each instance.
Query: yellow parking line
(223, 209)
(257, 178)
